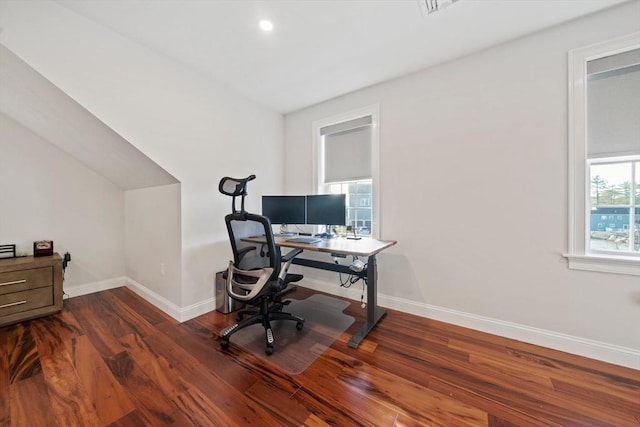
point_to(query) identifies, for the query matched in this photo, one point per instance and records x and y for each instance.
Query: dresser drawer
(22, 280)
(30, 287)
(18, 302)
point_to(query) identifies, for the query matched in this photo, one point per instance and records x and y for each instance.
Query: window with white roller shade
(347, 150)
(347, 162)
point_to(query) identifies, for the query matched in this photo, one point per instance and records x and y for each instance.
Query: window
(359, 212)
(346, 162)
(604, 156)
(614, 213)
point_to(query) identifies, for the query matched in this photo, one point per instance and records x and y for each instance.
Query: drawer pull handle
(15, 282)
(13, 303)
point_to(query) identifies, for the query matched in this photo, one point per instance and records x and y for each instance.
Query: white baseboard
(197, 309)
(609, 353)
(89, 288)
(181, 314)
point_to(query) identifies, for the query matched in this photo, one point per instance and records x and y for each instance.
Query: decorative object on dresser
(43, 248)
(7, 251)
(30, 287)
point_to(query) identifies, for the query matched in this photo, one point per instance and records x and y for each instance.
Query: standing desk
(364, 247)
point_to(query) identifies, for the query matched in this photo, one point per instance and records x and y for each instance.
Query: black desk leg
(374, 313)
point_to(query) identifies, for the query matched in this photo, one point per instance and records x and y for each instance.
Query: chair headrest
(234, 186)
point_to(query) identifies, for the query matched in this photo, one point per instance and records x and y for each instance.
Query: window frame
(318, 156)
(579, 255)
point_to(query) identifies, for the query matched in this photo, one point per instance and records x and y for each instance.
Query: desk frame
(364, 247)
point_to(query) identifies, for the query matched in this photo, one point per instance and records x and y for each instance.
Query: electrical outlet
(162, 268)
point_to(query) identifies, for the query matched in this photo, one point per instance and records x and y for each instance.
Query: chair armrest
(287, 259)
(291, 255)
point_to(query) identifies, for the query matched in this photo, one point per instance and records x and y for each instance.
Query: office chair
(258, 277)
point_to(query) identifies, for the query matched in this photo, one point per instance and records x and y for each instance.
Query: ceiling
(320, 49)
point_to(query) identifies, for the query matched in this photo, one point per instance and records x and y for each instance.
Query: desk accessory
(350, 228)
(8, 251)
(42, 248)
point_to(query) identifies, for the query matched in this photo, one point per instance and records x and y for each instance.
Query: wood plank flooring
(112, 359)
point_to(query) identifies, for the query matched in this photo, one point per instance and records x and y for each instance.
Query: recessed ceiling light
(266, 25)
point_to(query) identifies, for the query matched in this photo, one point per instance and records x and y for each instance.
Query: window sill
(605, 264)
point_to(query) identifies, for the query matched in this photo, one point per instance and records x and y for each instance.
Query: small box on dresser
(30, 287)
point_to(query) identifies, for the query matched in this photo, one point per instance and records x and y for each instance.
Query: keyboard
(303, 239)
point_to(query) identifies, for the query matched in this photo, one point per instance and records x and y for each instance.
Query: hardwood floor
(112, 359)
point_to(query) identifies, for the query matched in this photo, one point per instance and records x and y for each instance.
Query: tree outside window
(615, 213)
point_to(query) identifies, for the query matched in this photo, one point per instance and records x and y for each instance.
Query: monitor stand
(284, 231)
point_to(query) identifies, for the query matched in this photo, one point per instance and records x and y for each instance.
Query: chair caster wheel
(299, 325)
(269, 350)
(224, 343)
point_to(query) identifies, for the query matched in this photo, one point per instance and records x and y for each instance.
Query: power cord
(351, 280)
(362, 303)
(66, 259)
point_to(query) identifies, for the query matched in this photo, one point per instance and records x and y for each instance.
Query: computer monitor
(284, 209)
(327, 209)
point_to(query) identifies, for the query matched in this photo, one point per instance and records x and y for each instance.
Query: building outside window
(614, 214)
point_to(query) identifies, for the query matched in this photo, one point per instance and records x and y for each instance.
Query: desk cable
(351, 279)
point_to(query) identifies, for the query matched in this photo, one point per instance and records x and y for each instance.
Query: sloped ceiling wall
(195, 129)
(37, 104)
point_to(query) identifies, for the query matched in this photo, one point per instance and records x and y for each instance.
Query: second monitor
(327, 209)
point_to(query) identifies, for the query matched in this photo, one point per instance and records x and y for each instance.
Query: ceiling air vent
(430, 6)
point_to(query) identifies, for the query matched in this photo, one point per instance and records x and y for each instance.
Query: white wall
(47, 194)
(196, 130)
(474, 188)
(153, 240)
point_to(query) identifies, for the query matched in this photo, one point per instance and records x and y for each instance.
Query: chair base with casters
(267, 313)
(270, 308)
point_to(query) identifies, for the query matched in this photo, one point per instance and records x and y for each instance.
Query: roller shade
(613, 105)
(347, 150)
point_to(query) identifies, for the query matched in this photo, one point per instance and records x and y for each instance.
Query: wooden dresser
(30, 287)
